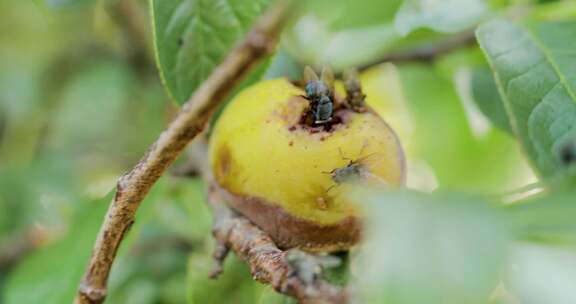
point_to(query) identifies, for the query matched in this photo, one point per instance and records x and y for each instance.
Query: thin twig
(131, 18)
(134, 185)
(14, 249)
(268, 264)
(428, 52)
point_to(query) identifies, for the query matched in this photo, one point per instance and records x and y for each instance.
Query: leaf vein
(552, 63)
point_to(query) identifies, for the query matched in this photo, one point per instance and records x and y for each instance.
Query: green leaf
(440, 248)
(350, 14)
(312, 41)
(346, 33)
(63, 4)
(542, 275)
(339, 275)
(440, 15)
(534, 68)
(444, 139)
(548, 218)
(553, 10)
(234, 285)
(283, 65)
(191, 38)
(488, 99)
(269, 296)
(349, 33)
(51, 275)
(104, 80)
(185, 210)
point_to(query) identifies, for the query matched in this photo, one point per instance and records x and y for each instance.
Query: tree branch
(427, 52)
(134, 185)
(14, 249)
(268, 264)
(298, 278)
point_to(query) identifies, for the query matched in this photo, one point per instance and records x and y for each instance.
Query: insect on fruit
(267, 156)
(355, 171)
(320, 93)
(354, 94)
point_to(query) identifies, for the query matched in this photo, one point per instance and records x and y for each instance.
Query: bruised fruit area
(287, 166)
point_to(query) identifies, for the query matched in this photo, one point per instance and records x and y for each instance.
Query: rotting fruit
(285, 156)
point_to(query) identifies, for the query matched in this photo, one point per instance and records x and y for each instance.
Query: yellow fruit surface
(259, 149)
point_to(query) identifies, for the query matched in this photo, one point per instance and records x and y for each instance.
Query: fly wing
(327, 76)
(374, 180)
(309, 75)
(351, 80)
(370, 159)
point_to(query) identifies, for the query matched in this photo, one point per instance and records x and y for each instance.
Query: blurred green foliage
(546, 218)
(440, 130)
(448, 247)
(81, 99)
(443, 16)
(59, 263)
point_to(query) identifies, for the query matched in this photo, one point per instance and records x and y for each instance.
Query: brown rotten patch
(289, 231)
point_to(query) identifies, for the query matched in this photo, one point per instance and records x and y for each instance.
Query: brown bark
(268, 264)
(428, 52)
(134, 185)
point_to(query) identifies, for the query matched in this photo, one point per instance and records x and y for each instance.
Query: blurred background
(81, 99)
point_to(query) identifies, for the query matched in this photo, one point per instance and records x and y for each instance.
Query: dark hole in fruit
(306, 122)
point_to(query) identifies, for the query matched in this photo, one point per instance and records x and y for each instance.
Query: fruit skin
(276, 171)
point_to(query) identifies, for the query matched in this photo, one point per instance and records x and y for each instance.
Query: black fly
(320, 93)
